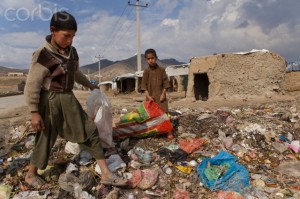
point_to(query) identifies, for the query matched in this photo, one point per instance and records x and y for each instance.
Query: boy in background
(155, 81)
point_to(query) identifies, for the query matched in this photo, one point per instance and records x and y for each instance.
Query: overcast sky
(179, 29)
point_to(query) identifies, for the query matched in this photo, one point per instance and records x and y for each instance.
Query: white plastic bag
(98, 108)
(72, 148)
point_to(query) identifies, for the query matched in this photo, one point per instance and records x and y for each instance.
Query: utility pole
(99, 57)
(139, 60)
(137, 5)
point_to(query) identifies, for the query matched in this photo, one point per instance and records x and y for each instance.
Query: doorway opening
(126, 85)
(201, 84)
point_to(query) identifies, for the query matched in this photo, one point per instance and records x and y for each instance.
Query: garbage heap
(241, 152)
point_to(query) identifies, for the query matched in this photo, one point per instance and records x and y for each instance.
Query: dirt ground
(8, 84)
(14, 117)
(130, 101)
(177, 101)
(18, 116)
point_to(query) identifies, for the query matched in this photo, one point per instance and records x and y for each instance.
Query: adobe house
(177, 75)
(15, 74)
(125, 83)
(254, 73)
(291, 82)
(107, 85)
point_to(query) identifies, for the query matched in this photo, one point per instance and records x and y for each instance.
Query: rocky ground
(262, 134)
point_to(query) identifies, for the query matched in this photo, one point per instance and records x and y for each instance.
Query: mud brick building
(254, 73)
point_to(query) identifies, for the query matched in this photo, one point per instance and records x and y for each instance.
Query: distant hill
(171, 62)
(109, 69)
(108, 73)
(95, 66)
(5, 70)
(120, 67)
(130, 63)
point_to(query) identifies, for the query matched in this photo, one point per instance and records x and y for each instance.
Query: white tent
(113, 84)
(124, 76)
(173, 70)
(177, 70)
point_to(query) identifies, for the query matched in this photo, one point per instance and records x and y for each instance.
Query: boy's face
(63, 38)
(151, 59)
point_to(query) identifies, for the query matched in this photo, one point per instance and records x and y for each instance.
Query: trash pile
(243, 152)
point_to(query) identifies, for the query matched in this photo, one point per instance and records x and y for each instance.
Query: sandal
(36, 182)
(114, 181)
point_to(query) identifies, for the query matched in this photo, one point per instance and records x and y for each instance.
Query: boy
(155, 81)
(53, 106)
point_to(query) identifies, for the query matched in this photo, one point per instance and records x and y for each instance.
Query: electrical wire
(115, 32)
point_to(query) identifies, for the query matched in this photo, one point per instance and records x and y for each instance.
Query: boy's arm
(163, 95)
(83, 80)
(144, 85)
(32, 91)
(166, 82)
(166, 85)
(34, 81)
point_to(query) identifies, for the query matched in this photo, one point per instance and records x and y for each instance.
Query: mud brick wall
(236, 75)
(292, 81)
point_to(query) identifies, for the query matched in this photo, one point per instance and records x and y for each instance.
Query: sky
(179, 29)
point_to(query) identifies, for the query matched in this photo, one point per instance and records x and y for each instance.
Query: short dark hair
(150, 51)
(63, 21)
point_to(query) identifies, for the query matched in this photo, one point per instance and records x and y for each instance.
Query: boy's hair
(150, 51)
(63, 21)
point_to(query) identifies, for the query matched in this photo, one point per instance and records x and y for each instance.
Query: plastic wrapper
(147, 120)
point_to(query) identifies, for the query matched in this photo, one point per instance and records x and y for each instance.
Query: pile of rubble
(263, 140)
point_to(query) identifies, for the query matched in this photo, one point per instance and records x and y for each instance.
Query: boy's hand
(37, 122)
(148, 97)
(93, 86)
(162, 97)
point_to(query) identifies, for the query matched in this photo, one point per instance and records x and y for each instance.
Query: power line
(117, 23)
(130, 25)
(115, 33)
(152, 3)
(125, 8)
(122, 35)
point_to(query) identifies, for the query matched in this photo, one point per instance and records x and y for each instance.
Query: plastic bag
(181, 194)
(191, 145)
(229, 195)
(223, 173)
(147, 120)
(98, 108)
(115, 162)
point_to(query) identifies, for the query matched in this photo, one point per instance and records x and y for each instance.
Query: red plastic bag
(144, 179)
(229, 195)
(191, 145)
(181, 194)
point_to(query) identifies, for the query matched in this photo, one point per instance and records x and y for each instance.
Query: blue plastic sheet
(233, 176)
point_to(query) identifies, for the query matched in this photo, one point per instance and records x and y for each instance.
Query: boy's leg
(93, 146)
(44, 142)
(32, 177)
